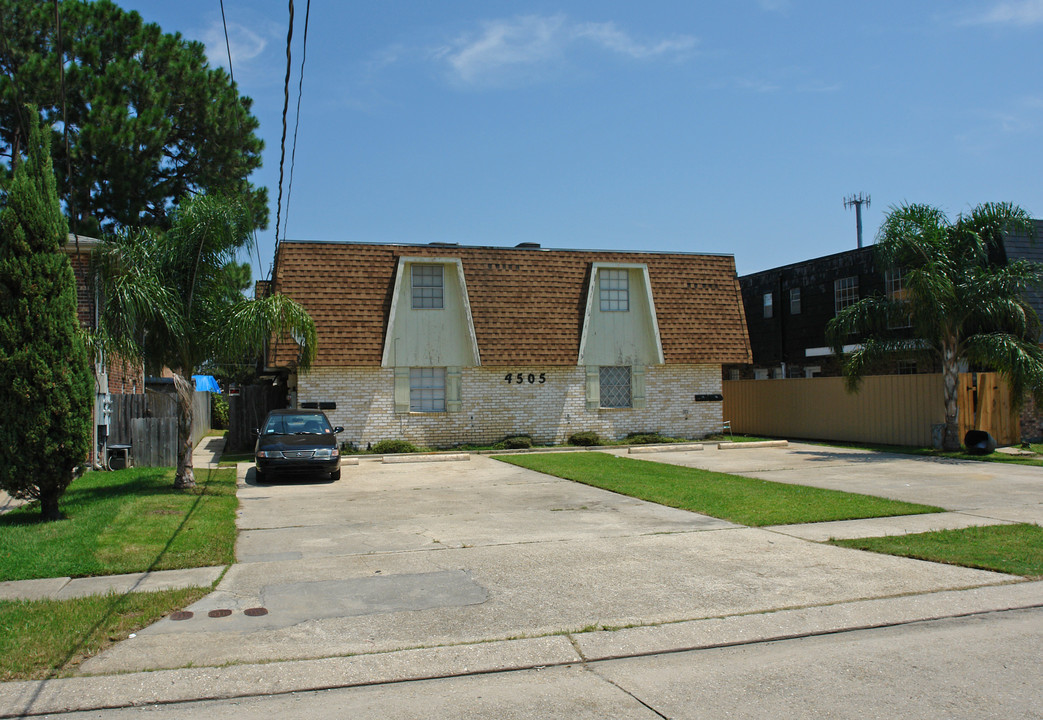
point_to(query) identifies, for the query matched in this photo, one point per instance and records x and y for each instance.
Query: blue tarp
(206, 383)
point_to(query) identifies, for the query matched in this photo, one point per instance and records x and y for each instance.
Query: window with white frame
(794, 301)
(615, 386)
(845, 292)
(427, 286)
(614, 290)
(768, 305)
(894, 286)
(427, 390)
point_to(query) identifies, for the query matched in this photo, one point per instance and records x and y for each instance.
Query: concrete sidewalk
(401, 572)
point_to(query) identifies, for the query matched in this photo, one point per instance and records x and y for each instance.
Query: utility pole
(857, 201)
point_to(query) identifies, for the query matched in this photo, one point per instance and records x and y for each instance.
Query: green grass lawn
(739, 499)
(1013, 549)
(124, 521)
(49, 638)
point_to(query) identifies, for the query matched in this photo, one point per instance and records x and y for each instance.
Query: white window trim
(799, 301)
(836, 293)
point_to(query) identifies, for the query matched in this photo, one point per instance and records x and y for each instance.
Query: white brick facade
(492, 408)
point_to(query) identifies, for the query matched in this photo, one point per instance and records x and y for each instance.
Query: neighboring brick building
(788, 308)
(120, 376)
(443, 345)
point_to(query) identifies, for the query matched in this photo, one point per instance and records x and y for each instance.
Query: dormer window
(427, 284)
(614, 290)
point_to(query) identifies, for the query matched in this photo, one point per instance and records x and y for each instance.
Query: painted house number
(519, 378)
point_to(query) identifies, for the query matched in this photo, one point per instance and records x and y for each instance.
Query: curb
(751, 445)
(100, 692)
(670, 447)
(451, 457)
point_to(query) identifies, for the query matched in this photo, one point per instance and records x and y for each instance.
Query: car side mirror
(255, 432)
(338, 429)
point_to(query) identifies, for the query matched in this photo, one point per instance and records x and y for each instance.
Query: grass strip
(49, 638)
(1013, 549)
(739, 499)
(125, 521)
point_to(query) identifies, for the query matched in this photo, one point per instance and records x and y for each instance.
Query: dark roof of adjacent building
(528, 304)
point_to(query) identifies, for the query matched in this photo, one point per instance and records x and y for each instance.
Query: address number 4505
(519, 378)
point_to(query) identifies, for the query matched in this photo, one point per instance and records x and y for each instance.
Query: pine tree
(45, 380)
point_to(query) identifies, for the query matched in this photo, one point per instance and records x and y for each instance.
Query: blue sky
(729, 127)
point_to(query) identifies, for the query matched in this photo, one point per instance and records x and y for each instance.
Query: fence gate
(986, 404)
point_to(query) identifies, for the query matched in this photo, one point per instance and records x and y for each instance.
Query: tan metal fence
(888, 409)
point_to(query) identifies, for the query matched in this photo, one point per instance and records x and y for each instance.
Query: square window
(427, 286)
(615, 387)
(845, 292)
(794, 301)
(427, 390)
(906, 367)
(614, 290)
(768, 305)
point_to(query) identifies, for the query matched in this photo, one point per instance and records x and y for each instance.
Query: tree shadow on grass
(116, 603)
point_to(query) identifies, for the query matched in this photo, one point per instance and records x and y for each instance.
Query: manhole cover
(219, 613)
(255, 612)
(182, 615)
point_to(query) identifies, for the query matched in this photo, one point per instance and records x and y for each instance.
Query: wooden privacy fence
(148, 422)
(887, 410)
(988, 405)
(247, 411)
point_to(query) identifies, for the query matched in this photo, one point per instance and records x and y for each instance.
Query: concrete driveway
(450, 563)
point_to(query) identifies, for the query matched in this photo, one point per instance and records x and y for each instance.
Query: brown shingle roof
(527, 305)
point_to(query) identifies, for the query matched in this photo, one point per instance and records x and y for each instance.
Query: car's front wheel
(335, 475)
(260, 476)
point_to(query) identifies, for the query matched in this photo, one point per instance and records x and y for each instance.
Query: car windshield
(297, 424)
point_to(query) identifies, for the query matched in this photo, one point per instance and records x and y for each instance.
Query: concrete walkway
(404, 572)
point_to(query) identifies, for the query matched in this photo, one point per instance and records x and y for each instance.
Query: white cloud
(524, 47)
(245, 44)
(1009, 12)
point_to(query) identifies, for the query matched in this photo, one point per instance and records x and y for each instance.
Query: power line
(238, 124)
(282, 143)
(297, 122)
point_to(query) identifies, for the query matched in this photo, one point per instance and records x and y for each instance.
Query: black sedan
(297, 442)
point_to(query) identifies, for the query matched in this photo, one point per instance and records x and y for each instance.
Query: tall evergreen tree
(142, 120)
(45, 380)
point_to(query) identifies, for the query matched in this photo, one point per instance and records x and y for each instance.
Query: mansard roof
(528, 304)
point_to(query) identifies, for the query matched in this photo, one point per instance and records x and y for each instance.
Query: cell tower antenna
(857, 201)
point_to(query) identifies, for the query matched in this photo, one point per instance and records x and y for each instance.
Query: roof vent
(528, 246)
(444, 244)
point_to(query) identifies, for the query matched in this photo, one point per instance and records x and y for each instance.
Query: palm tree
(167, 303)
(964, 301)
